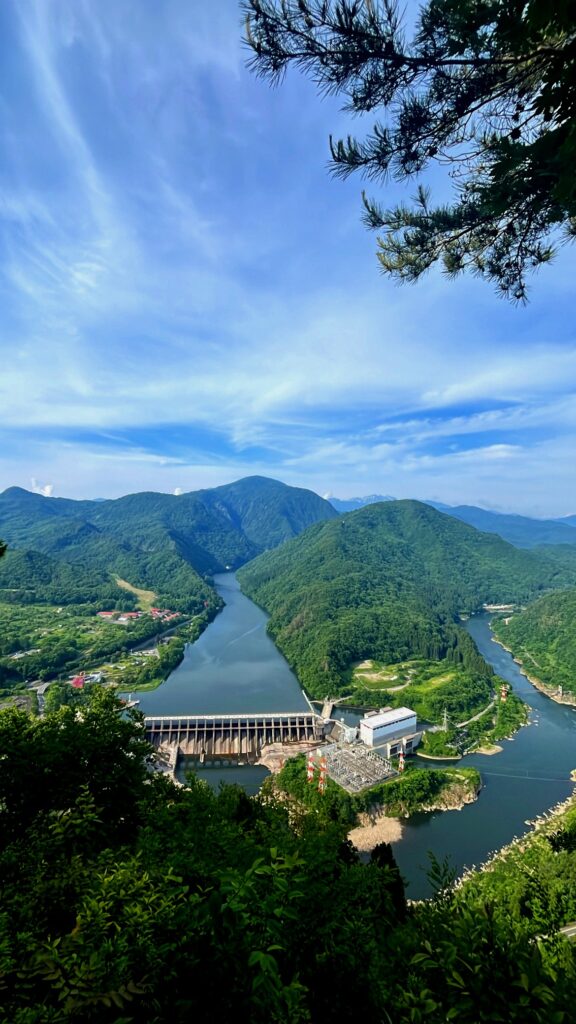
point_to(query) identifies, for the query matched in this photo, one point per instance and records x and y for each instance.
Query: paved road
(479, 715)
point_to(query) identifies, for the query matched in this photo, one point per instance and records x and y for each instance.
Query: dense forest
(543, 637)
(209, 530)
(126, 899)
(387, 582)
(30, 577)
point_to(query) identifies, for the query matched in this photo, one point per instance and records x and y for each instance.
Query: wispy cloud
(187, 297)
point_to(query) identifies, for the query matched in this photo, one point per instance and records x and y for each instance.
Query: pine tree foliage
(486, 88)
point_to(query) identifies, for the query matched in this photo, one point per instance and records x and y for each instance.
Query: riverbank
(567, 699)
(549, 822)
(373, 829)
(439, 757)
(375, 826)
(464, 789)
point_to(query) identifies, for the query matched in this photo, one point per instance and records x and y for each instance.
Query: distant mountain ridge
(521, 531)
(162, 540)
(351, 504)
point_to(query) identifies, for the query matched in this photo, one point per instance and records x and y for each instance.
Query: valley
(366, 606)
(379, 607)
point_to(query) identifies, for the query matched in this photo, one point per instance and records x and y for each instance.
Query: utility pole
(445, 720)
(322, 777)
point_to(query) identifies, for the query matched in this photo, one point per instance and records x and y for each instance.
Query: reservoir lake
(235, 667)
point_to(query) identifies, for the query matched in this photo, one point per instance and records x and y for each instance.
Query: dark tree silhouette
(486, 88)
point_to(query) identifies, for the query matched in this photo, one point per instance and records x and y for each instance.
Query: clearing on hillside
(146, 598)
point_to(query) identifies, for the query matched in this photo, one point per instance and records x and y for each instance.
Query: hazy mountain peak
(349, 504)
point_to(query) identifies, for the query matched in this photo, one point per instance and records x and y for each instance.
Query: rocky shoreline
(548, 821)
(374, 829)
(377, 827)
(454, 797)
(544, 688)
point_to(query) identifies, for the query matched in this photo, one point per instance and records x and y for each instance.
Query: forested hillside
(30, 577)
(543, 637)
(126, 899)
(386, 582)
(153, 539)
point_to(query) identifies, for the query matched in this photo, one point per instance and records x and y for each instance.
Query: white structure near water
(394, 729)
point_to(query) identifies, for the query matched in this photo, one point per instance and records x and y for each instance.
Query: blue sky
(187, 297)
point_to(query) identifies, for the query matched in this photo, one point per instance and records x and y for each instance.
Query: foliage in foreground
(126, 900)
(485, 87)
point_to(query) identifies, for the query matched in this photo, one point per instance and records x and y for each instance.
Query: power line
(532, 778)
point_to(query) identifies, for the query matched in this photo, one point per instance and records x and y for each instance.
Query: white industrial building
(393, 730)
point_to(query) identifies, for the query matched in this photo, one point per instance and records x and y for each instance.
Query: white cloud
(174, 266)
(46, 489)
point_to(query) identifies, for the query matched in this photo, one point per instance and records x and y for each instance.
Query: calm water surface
(233, 667)
(249, 776)
(530, 775)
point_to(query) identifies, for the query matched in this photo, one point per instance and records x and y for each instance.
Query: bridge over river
(237, 735)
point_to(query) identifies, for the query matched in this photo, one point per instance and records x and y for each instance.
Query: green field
(428, 686)
(435, 688)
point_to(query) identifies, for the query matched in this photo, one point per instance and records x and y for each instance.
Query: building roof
(387, 718)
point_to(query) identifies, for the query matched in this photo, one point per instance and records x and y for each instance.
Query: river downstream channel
(235, 667)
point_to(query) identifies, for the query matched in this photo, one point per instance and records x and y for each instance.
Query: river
(530, 775)
(235, 667)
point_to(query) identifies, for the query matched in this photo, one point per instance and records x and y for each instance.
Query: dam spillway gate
(232, 735)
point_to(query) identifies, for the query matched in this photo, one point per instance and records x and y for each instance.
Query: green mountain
(386, 582)
(543, 637)
(163, 541)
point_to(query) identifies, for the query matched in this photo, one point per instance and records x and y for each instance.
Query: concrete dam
(239, 736)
